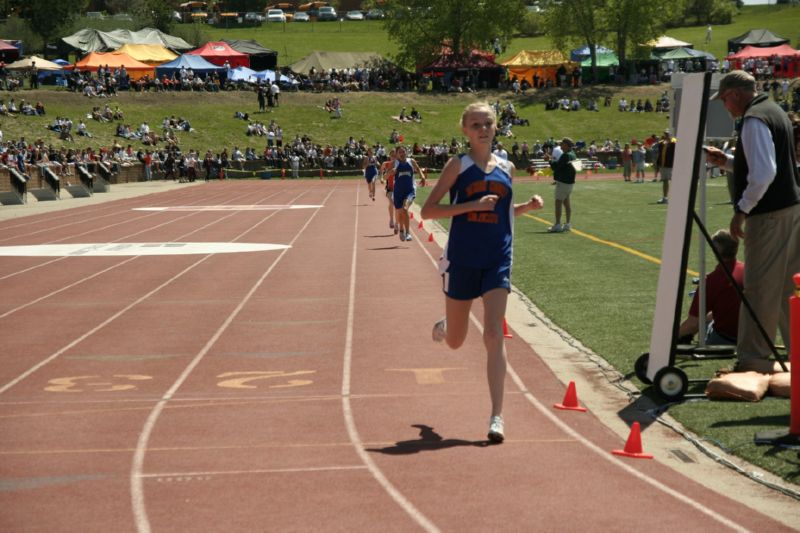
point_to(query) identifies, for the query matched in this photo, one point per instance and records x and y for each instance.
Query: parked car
(375, 14)
(276, 15)
(301, 16)
(327, 13)
(354, 15)
(254, 17)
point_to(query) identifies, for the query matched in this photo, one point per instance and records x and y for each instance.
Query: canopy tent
(682, 54)
(242, 74)
(91, 40)
(260, 58)
(320, 61)
(8, 52)
(269, 75)
(95, 60)
(579, 54)
(667, 43)
(747, 52)
(197, 64)
(540, 64)
(761, 38)
(28, 62)
(604, 71)
(784, 59)
(218, 52)
(478, 65)
(152, 54)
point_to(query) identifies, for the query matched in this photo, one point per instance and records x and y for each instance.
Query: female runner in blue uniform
(477, 259)
(405, 190)
(370, 167)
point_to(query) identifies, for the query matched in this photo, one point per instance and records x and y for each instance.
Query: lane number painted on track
(118, 382)
(229, 380)
(183, 208)
(137, 248)
(243, 380)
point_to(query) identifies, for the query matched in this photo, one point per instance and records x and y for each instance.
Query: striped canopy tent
(151, 54)
(95, 60)
(543, 64)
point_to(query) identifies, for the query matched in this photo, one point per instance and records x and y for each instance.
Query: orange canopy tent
(135, 69)
(541, 63)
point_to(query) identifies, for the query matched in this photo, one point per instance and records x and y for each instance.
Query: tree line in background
(421, 29)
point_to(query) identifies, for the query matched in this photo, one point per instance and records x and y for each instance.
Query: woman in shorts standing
(477, 259)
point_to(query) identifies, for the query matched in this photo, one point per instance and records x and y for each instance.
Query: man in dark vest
(767, 211)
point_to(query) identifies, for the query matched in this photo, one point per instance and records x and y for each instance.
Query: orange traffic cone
(633, 447)
(420, 225)
(430, 237)
(570, 401)
(506, 333)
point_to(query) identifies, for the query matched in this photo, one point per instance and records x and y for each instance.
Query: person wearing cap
(564, 175)
(766, 211)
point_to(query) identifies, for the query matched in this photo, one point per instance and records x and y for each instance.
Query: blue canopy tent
(197, 64)
(242, 74)
(579, 54)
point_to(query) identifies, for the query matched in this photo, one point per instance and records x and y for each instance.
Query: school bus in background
(288, 9)
(194, 11)
(312, 8)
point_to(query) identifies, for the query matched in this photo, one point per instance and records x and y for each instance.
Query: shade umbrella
(27, 64)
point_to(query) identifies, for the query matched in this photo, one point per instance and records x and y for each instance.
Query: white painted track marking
(347, 410)
(255, 207)
(124, 249)
(605, 454)
(137, 488)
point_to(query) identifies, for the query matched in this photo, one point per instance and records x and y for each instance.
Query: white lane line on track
(40, 265)
(347, 410)
(137, 488)
(605, 454)
(116, 315)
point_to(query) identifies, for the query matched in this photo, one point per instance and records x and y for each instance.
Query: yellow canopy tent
(151, 54)
(541, 63)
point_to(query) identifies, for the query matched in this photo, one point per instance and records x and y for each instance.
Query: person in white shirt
(767, 205)
(501, 152)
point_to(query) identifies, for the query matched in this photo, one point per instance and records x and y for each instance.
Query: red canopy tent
(8, 52)
(217, 52)
(785, 60)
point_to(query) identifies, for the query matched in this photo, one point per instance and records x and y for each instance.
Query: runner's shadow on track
(429, 441)
(396, 247)
(383, 236)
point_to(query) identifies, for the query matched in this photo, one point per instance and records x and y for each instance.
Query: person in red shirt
(722, 299)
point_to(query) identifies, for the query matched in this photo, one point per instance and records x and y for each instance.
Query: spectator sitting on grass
(81, 129)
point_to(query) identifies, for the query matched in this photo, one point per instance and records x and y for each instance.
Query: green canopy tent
(604, 63)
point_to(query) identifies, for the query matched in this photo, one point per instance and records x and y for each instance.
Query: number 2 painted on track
(241, 380)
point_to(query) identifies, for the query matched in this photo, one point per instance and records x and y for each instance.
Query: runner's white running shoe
(439, 330)
(496, 429)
